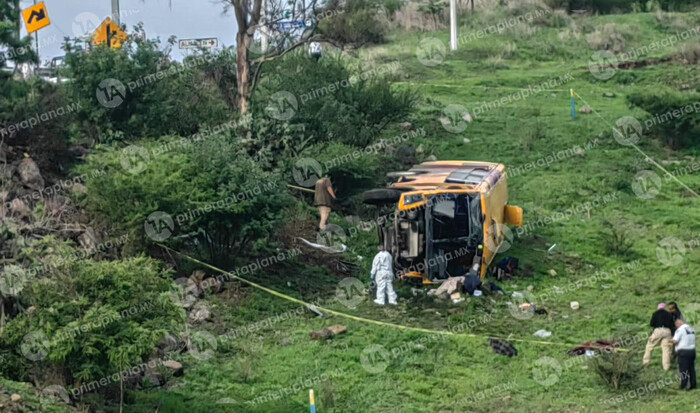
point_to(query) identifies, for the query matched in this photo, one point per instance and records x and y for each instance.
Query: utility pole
(453, 25)
(115, 13)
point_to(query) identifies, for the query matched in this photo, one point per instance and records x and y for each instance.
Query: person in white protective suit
(383, 275)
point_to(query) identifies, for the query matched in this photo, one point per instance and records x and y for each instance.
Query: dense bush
(92, 318)
(333, 103)
(214, 194)
(158, 96)
(673, 116)
(353, 22)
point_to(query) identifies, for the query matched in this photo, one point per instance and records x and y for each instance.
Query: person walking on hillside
(323, 198)
(684, 339)
(662, 324)
(383, 274)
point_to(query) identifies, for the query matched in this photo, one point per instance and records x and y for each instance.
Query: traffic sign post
(109, 32)
(36, 17)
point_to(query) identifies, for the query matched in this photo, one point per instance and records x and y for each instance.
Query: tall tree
(276, 20)
(18, 50)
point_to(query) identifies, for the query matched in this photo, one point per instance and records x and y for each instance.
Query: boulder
(78, 188)
(174, 366)
(16, 398)
(168, 344)
(328, 332)
(199, 313)
(90, 239)
(30, 175)
(585, 110)
(19, 208)
(56, 392)
(154, 377)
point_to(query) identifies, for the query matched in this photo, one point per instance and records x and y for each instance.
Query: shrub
(207, 190)
(350, 107)
(352, 23)
(91, 318)
(616, 369)
(157, 96)
(674, 116)
(609, 37)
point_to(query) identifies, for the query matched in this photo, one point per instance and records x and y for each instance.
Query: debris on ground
(593, 346)
(542, 333)
(328, 332)
(552, 272)
(16, 398)
(336, 249)
(174, 366)
(502, 347)
(575, 305)
(585, 110)
(495, 288)
(448, 287)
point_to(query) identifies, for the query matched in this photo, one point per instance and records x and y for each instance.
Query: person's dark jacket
(677, 315)
(662, 318)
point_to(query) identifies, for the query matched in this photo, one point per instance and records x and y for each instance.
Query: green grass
(442, 375)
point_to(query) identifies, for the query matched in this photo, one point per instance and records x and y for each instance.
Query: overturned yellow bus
(449, 218)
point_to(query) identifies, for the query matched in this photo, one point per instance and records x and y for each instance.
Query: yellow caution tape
(362, 319)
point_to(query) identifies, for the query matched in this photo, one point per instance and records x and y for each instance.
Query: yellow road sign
(109, 31)
(36, 17)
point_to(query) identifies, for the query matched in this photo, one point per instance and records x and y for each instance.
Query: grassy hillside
(618, 286)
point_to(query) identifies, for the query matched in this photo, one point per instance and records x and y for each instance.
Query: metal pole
(36, 41)
(453, 25)
(264, 28)
(115, 13)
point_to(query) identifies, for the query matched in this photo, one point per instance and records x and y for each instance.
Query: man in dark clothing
(505, 268)
(675, 311)
(662, 324)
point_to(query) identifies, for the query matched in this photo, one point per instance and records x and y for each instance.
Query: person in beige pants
(662, 324)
